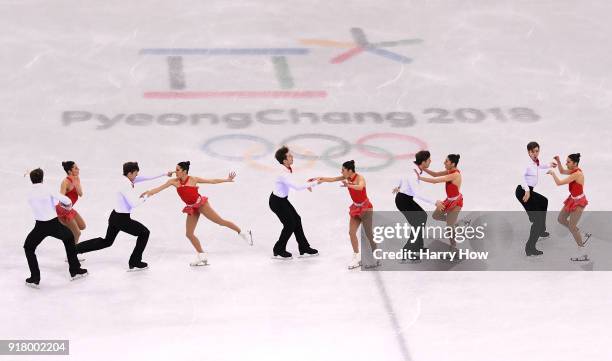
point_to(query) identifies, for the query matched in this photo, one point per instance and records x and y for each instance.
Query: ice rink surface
(217, 82)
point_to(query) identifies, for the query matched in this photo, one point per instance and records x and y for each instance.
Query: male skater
(534, 203)
(119, 220)
(43, 202)
(280, 205)
(405, 193)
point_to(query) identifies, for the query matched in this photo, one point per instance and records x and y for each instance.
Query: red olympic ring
(414, 140)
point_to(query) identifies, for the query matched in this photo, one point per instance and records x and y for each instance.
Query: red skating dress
(191, 197)
(67, 214)
(576, 197)
(453, 197)
(361, 203)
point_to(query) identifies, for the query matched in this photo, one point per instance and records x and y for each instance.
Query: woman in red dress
(448, 209)
(196, 204)
(574, 204)
(71, 188)
(360, 211)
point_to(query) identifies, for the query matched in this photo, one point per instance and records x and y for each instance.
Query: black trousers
(536, 208)
(42, 230)
(415, 215)
(292, 223)
(119, 222)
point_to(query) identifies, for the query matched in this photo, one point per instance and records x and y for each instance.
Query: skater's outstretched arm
(230, 178)
(298, 187)
(435, 174)
(143, 178)
(170, 182)
(326, 179)
(442, 179)
(567, 180)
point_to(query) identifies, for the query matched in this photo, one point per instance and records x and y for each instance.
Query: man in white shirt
(43, 202)
(534, 203)
(126, 199)
(280, 205)
(405, 192)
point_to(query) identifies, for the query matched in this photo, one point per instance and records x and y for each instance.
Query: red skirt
(570, 204)
(195, 208)
(357, 210)
(449, 204)
(65, 214)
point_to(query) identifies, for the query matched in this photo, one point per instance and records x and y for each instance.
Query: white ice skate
(583, 258)
(247, 236)
(31, 284)
(201, 260)
(355, 262)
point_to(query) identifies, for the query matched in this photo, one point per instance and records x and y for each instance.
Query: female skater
(574, 205)
(359, 212)
(447, 210)
(71, 188)
(196, 204)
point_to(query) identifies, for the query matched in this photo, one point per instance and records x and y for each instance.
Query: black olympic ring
(342, 148)
(206, 147)
(389, 159)
(346, 146)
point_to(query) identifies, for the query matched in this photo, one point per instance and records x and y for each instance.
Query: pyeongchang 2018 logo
(286, 88)
(279, 60)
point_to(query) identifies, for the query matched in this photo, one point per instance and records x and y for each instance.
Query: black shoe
(545, 235)
(309, 252)
(282, 255)
(79, 273)
(138, 266)
(533, 252)
(31, 282)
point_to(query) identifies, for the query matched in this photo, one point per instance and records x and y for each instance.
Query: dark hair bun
(188, 163)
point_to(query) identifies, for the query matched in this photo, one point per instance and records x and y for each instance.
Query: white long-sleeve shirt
(532, 174)
(410, 185)
(285, 180)
(126, 197)
(42, 200)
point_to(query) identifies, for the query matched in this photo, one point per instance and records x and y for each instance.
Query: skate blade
(282, 258)
(580, 259)
(308, 255)
(32, 285)
(371, 266)
(76, 277)
(354, 267)
(199, 264)
(136, 269)
(250, 238)
(80, 260)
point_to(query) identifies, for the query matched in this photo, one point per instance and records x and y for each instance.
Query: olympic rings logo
(261, 147)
